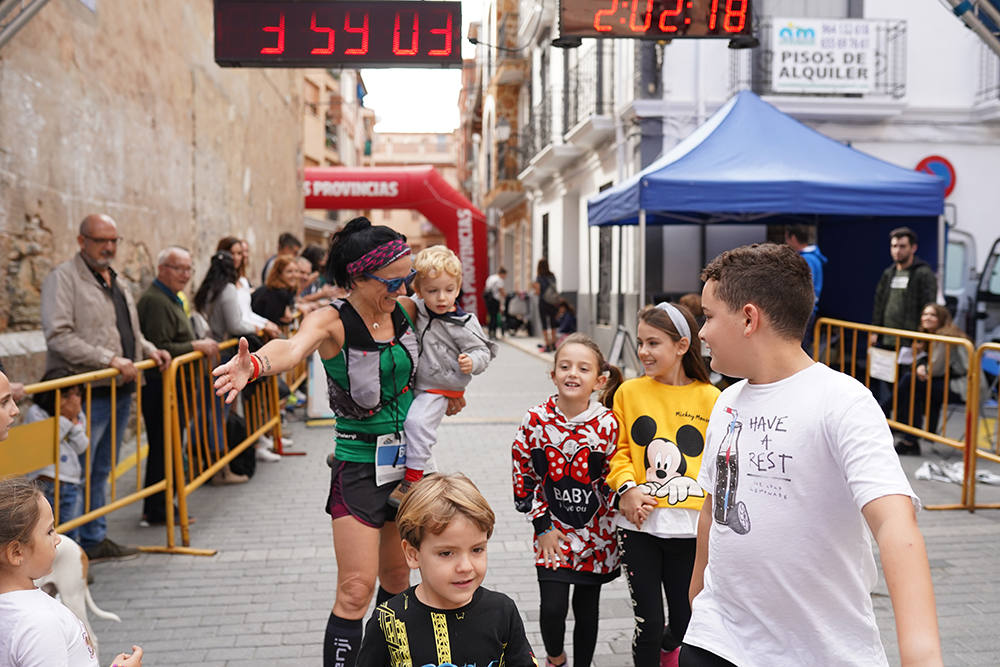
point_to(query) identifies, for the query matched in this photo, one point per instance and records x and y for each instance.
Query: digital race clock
(654, 19)
(374, 33)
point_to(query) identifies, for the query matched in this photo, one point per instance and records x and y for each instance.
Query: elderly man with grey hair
(90, 323)
(165, 324)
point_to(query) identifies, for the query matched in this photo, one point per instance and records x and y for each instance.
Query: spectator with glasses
(369, 352)
(166, 325)
(91, 323)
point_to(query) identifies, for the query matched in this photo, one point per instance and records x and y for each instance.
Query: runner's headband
(379, 256)
(677, 317)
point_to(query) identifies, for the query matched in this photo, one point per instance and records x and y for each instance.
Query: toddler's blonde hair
(435, 260)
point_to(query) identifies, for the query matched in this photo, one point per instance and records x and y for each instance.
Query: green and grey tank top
(370, 382)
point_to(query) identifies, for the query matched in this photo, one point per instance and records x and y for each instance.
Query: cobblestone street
(265, 597)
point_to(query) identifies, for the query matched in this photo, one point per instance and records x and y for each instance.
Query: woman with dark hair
(930, 365)
(275, 299)
(217, 301)
(239, 250)
(548, 303)
(369, 352)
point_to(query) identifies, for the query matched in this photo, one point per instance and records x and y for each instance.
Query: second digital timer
(654, 19)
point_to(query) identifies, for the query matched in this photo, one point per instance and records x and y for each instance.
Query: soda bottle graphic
(727, 469)
(728, 511)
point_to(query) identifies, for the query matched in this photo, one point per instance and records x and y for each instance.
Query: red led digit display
(374, 33)
(655, 19)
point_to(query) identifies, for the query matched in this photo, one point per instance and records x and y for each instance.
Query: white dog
(69, 579)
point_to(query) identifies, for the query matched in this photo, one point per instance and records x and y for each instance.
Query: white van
(973, 296)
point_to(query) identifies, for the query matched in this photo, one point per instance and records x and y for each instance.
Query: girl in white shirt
(36, 630)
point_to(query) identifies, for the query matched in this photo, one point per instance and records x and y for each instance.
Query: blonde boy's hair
(435, 260)
(434, 501)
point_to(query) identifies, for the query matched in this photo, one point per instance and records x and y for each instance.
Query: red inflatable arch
(419, 188)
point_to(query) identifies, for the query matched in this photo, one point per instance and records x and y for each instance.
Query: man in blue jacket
(800, 239)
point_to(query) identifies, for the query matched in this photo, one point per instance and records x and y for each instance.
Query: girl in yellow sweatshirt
(662, 418)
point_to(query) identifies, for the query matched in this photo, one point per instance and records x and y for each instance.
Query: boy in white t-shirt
(799, 465)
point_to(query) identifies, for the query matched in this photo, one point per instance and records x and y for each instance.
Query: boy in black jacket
(448, 618)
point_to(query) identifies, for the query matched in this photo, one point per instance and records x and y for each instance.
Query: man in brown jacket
(90, 323)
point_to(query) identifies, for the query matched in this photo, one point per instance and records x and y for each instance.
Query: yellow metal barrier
(976, 425)
(851, 338)
(197, 412)
(34, 446)
(192, 454)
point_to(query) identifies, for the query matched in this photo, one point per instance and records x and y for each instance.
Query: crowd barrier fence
(980, 426)
(32, 446)
(194, 439)
(847, 347)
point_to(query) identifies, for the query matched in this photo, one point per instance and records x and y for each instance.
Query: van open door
(988, 298)
(961, 282)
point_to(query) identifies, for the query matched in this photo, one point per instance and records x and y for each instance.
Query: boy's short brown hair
(434, 501)
(772, 277)
(435, 260)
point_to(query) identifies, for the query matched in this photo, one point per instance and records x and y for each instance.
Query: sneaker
(146, 522)
(907, 448)
(265, 455)
(108, 550)
(227, 476)
(397, 495)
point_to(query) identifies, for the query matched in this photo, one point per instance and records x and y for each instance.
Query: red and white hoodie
(559, 473)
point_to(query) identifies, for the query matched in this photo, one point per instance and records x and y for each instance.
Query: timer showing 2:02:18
(655, 19)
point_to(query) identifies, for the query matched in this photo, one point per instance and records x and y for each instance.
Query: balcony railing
(538, 131)
(507, 37)
(591, 86)
(751, 68)
(508, 164)
(988, 90)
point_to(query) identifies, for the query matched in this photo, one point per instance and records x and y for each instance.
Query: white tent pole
(591, 292)
(642, 257)
(942, 223)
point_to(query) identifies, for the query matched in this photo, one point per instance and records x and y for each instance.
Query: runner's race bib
(390, 458)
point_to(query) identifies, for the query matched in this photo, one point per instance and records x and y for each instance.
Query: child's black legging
(552, 620)
(651, 562)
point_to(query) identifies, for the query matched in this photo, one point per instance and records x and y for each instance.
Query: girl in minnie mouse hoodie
(561, 456)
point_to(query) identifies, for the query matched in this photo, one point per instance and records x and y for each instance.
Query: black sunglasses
(393, 284)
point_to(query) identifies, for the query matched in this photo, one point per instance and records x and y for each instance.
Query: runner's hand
(455, 405)
(235, 374)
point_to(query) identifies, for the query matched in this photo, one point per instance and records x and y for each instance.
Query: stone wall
(123, 111)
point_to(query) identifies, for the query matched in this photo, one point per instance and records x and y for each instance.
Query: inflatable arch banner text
(420, 188)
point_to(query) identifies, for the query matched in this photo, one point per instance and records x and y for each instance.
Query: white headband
(680, 322)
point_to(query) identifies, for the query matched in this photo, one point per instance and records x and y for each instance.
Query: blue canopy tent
(752, 163)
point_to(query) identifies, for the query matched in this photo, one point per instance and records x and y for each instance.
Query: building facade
(401, 149)
(337, 130)
(561, 124)
(100, 113)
